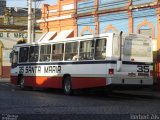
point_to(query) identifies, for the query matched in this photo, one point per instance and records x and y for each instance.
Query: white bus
(84, 62)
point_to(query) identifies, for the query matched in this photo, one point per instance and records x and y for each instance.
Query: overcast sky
(23, 3)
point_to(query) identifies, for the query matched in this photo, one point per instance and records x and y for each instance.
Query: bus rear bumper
(130, 81)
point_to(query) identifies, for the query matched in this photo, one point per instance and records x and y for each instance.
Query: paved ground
(54, 105)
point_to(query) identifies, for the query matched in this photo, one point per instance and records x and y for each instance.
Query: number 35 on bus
(89, 61)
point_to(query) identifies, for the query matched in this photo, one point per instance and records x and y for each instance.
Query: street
(39, 103)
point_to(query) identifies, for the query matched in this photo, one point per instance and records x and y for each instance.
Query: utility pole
(34, 21)
(29, 21)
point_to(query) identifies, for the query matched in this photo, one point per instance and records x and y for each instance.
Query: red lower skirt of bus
(56, 82)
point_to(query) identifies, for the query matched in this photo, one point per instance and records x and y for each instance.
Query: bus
(91, 61)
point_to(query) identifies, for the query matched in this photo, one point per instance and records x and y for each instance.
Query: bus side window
(100, 48)
(23, 55)
(45, 53)
(86, 50)
(33, 53)
(71, 50)
(57, 52)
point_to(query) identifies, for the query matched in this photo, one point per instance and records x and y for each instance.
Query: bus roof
(87, 37)
(67, 39)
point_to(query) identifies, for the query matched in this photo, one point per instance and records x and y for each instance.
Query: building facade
(100, 16)
(13, 27)
(8, 38)
(59, 19)
(2, 7)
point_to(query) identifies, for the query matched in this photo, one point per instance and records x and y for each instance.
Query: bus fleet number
(143, 68)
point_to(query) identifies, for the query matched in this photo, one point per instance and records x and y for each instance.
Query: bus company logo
(132, 74)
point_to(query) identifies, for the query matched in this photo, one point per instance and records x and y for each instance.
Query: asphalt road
(53, 104)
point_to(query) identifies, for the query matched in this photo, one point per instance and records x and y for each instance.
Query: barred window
(45, 53)
(33, 53)
(71, 50)
(57, 52)
(100, 49)
(86, 50)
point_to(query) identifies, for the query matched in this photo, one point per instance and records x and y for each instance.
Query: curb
(4, 79)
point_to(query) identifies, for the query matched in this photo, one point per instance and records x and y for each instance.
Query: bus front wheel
(67, 86)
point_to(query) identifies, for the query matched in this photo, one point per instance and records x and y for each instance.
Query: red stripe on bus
(14, 79)
(85, 82)
(56, 82)
(43, 81)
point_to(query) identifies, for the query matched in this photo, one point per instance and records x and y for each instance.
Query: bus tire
(67, 86)
(21, 83)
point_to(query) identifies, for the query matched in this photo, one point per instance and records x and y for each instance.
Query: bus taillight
(151, 72)
(111, 71)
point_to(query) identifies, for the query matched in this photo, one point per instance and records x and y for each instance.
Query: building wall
(2, 7)
(59, 17)
(111, 22)
(118, 15)
(13, 27)
(8, 38)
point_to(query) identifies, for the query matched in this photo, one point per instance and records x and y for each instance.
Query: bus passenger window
(45, 53)
(86, 50)
(71, 50)
(57, 52)
(33, 53)
(100, 49)
(23, 55)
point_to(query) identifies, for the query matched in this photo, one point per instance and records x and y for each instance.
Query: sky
(23, 3)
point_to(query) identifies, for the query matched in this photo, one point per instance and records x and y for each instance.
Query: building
(59, 20)
(13, 27)
(2, 9)
(82, 17)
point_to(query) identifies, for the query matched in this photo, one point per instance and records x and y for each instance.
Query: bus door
(13, 59)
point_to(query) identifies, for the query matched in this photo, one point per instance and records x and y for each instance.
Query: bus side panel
(43, 81)
(86, 82)
(14, 79)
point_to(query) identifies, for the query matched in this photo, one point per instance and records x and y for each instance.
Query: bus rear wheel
(67, 86)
